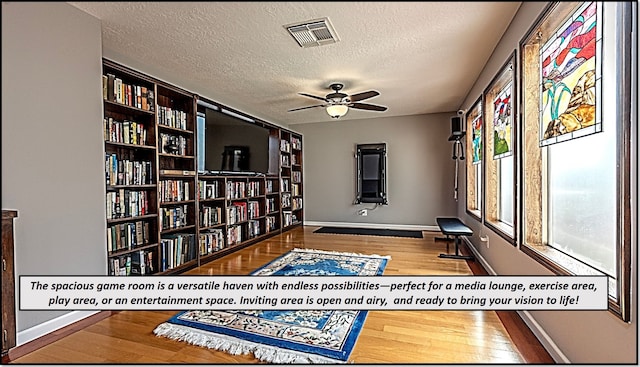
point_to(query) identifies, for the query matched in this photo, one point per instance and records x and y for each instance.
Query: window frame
(472, 194)
(531, 238)
(491, 208)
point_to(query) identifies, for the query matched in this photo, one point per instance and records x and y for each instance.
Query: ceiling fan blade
(304, 108)
(367, 106)
(312, 96)
(364, 95)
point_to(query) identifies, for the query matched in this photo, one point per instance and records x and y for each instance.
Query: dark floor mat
(370, 232)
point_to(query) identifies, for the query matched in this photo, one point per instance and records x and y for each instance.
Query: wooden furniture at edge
(8, 284)
(159, 218)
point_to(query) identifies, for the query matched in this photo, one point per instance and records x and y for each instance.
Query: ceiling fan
(337, 104)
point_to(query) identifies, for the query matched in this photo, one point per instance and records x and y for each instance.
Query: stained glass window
(570, 78)
(476, 126)
(502, 131)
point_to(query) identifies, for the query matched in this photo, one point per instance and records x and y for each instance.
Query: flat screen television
(227, 143)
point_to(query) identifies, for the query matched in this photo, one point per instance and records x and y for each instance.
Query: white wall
(420, 169)
(52, 147)
(571, 336)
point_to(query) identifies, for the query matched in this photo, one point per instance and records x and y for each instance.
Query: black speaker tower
(456, 128)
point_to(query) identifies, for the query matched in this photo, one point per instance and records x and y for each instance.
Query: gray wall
(52, 147)
(582, 336)
(420, 169)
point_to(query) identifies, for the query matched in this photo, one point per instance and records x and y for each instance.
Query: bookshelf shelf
(174, 129)
(132, 146)
(169, 203)
(116, 106)
(129, 219)
(128, 251)
(178, 156)
(177, 229)
(152, 183)
(141, 187)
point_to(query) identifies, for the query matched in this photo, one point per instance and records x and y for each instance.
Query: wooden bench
(452, 226)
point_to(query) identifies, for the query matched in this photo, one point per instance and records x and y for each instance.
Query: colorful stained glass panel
(476, 145)
(502, 128)
(570, 78)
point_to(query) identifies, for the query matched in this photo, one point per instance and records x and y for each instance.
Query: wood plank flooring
(387, 337)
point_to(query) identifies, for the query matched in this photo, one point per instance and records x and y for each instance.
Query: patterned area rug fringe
(235, 346)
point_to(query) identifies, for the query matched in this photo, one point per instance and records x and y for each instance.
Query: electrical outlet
(362, 212)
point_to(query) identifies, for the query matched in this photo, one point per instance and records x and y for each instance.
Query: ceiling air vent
(313, 33)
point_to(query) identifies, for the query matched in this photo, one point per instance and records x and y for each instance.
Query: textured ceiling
(423, 57)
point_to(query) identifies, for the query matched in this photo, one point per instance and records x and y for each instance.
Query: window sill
(475, 214)
(503, 230)
(563, 264)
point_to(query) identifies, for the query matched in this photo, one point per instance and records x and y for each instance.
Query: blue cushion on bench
(453, 226)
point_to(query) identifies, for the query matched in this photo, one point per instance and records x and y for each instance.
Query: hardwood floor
(387, 337)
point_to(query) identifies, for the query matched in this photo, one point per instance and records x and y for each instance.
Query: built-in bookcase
(163, 217)
(130, 168)
(291, 200)
(296, 179)
(175, 118)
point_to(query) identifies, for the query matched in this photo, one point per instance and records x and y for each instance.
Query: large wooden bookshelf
(163, 217)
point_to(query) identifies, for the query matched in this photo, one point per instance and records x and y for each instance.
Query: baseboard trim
(537, 330)
(374, 225)
(49, 331)
(544, 338)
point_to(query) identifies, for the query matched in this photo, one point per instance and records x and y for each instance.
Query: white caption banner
(314, 292)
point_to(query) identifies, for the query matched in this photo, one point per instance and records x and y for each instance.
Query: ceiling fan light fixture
(337, 110)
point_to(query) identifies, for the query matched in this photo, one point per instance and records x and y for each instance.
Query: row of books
(234, 235)
(116, 90)
(253, 228)
(295, 189)
(172, 117)
(127, 236)
(136, 263)
(288, 218)
(285, 200)
(119, 171)
(285, 146)
(296, 176)
(271, 205)
(210, 216)
(124, 203)
(174, 190)
(296, 204)
(253, 209)
(176, 250)
(237, 212)
(173, 144)
(236, 189)
(211, 241)
(296, 143)
(127, 132)
(271, 223)
(253, 188)
(270, 187)
(208, 190)
(284, 184)
(284, 159)
(174, 217)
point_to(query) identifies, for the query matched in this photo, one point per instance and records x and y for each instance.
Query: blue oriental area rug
(303, 336)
